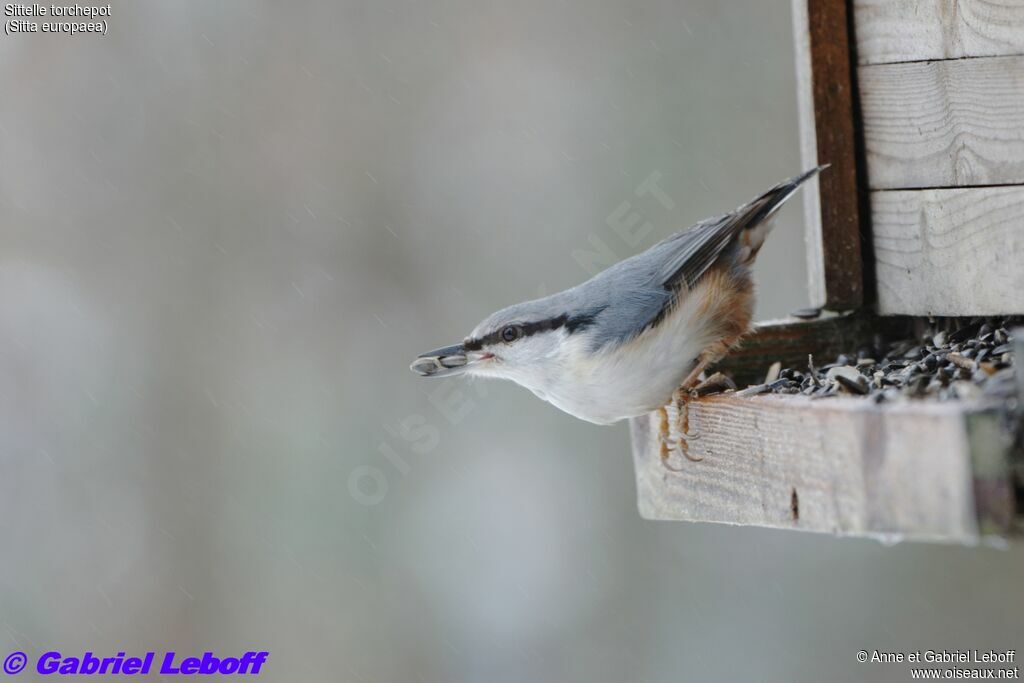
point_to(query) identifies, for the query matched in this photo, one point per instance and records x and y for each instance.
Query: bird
(637, 335)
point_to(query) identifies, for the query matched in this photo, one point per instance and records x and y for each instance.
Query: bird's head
(515, 343)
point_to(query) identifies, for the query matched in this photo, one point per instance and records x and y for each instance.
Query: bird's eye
(510, 333)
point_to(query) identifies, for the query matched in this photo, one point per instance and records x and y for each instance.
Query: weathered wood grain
(842, 466)
(909, 30)
(825, 95)
(944, 124)
(949, 252)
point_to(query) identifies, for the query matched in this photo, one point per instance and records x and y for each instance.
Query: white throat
(613, 384)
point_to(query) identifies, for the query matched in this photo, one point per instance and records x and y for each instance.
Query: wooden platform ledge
(918, 470)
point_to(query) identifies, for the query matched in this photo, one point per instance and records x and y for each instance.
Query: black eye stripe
(573, 324)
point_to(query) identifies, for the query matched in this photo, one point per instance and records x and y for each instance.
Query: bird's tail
(756, 216)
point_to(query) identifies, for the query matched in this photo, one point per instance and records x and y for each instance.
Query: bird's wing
(641, 289)
(691, 252)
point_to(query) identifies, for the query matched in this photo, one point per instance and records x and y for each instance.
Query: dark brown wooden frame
(836, 215)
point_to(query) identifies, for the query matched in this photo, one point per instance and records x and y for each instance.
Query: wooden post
(827, 99)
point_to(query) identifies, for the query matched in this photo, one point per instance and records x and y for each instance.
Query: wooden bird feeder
(918, 105)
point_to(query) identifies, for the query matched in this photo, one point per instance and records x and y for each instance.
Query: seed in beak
(442, 362)
(425, 366)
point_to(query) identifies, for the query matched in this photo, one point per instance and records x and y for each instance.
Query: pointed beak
(448, 361)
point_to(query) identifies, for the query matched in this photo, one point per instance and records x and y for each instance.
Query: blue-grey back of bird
(623, 300)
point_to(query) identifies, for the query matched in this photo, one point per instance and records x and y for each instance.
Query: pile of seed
(969, 362)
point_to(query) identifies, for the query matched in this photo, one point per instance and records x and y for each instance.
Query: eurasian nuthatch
(620, 344)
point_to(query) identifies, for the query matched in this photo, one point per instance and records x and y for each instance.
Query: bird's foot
(681, 398)
(665, 440)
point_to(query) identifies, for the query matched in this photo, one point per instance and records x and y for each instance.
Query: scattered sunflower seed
(973, 359)
(754, 390)
(806, 313)
(855, 386)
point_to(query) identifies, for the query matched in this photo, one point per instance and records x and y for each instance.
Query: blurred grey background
(226, 230)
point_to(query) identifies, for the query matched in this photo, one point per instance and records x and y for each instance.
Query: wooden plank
(826, 108)
(915, 30)
(944, 124)
(845, 466)
(952, 252)
(791, 341)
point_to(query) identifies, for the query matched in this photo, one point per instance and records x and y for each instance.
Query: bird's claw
(680, 400)
(665, 440)
(691, 458)
(666, 453)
